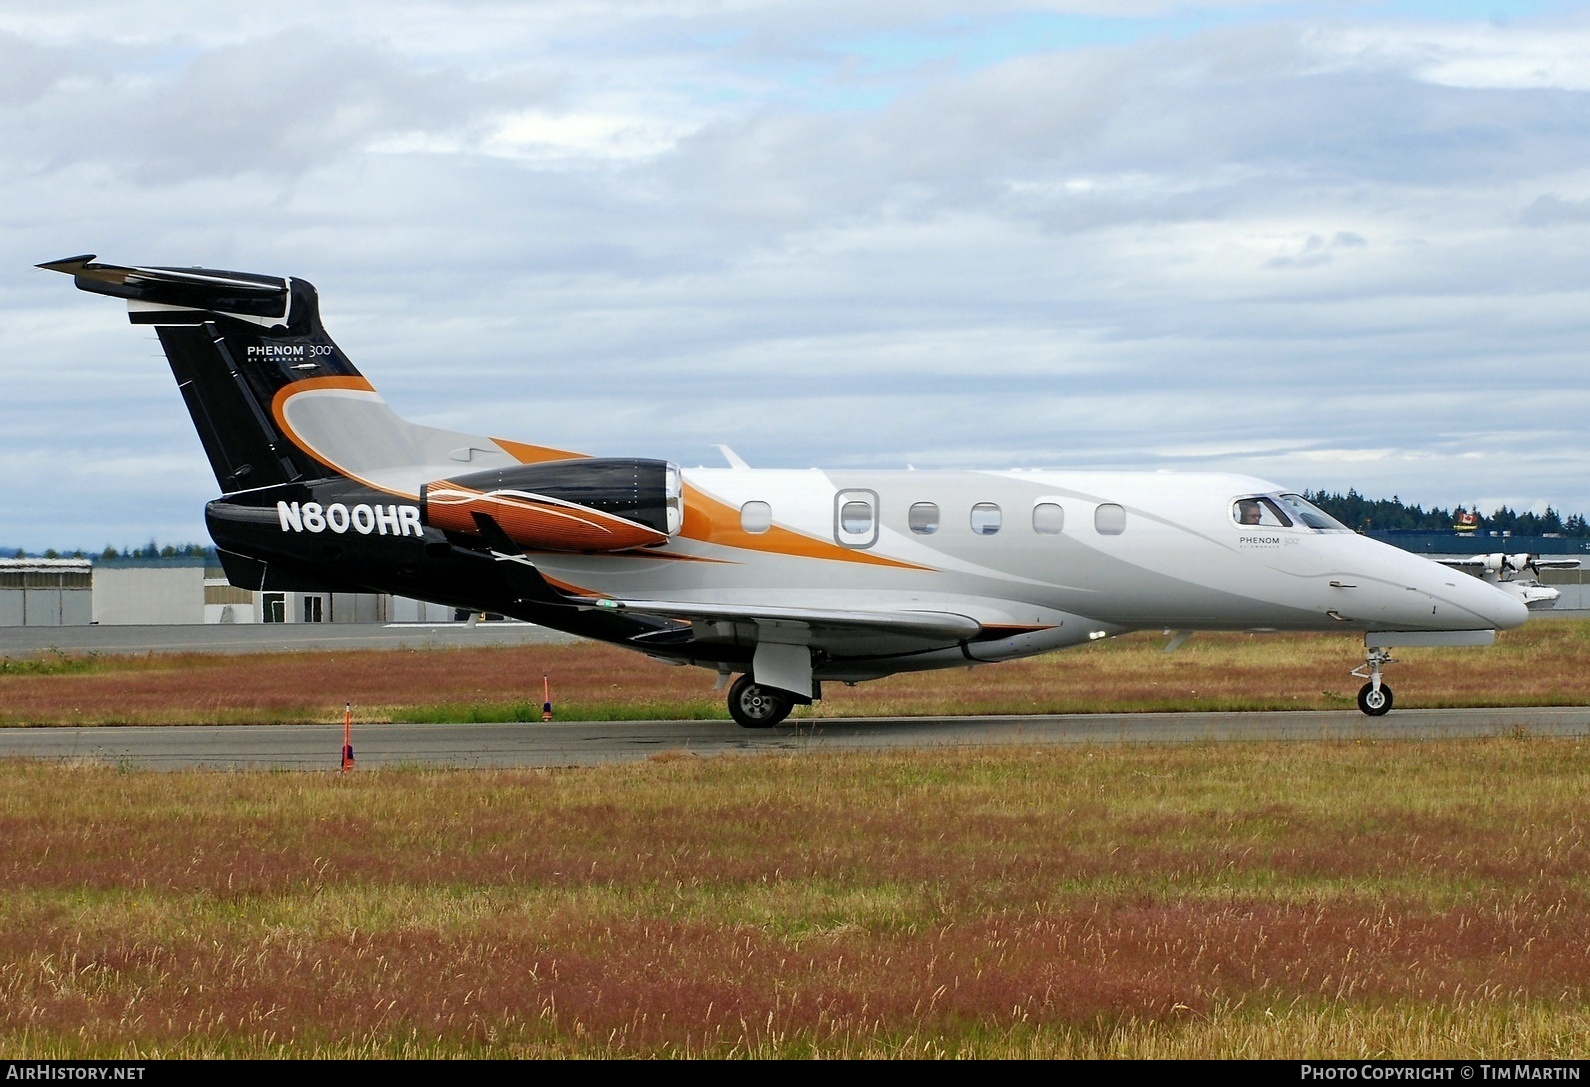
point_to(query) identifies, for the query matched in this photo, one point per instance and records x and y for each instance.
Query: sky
(1329, 244)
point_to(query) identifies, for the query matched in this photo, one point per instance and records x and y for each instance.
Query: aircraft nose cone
(1492, 606)
(1506, 610)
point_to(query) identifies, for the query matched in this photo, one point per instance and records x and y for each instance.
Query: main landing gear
(754, 706)
(1374, 697)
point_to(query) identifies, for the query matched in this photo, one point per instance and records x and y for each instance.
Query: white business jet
(789, 578)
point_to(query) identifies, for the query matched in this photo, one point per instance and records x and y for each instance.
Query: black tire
(752, 706)
(1372, 703)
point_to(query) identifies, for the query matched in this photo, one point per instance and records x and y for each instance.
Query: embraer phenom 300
(790, 578)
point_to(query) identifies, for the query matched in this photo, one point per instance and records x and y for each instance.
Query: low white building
(160, 592)
(46, 592)
(139, 595)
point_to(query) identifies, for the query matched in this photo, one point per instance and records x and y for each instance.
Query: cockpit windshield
(1283, 511)
(1311, 515)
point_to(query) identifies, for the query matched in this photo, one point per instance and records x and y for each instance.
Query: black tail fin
(234, 340)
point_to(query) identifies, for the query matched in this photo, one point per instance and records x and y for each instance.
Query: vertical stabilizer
(234, 340)
(274, 400)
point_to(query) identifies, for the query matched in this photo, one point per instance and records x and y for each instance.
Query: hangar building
(46, 592)
(186, 591)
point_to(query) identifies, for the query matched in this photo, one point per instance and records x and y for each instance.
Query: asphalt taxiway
(584, 743)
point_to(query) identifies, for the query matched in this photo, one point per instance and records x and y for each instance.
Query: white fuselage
(1124, 551)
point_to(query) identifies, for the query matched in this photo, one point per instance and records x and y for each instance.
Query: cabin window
(1048, 518)
(756, 517)
(1259, 512)
(985, 518)
(856, 517)
(1110, 519)
(923, 518)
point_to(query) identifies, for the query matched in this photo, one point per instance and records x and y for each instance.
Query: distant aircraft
(1517, 574)
(790, 578)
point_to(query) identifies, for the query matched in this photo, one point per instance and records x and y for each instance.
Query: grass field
(1253, 900)
(1546, 662)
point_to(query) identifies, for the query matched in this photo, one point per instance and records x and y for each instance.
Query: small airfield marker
(347, 736)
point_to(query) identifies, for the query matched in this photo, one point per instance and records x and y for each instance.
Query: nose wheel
(1374, 701)
(1374, 697)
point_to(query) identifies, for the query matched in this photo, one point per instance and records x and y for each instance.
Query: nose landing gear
(1374, 697)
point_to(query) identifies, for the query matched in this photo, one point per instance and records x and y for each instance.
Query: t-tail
(236, 341)
(325, 488)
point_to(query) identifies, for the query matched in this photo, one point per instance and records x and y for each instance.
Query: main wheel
(752, 706)
(1374, 703)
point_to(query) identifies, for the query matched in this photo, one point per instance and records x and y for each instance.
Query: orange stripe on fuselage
(711, 521)
(568, 586)
(536, 454)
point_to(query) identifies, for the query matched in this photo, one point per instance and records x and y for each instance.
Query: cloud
(1549, 209)
(1296, 242)
(27, 70)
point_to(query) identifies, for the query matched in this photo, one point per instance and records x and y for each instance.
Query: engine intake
(592, 504)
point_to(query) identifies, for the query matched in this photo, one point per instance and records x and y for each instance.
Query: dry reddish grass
(217, 688)
(1544, 663)
(1192, 900)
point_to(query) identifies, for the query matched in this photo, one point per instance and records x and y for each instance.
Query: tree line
(150, 550)
(1392, 514)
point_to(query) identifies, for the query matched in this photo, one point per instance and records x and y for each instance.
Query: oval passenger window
(756, 517)
(985, 518)
(923, 518)
(1048, 518)
(855, 517)
(1110, 519)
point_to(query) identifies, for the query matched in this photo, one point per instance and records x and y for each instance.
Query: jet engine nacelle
(589, 504)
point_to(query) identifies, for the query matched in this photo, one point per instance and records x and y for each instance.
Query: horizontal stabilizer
(242, 294)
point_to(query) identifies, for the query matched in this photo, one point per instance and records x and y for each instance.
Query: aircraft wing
(822, 624)
(1498, 562)
(948, 626)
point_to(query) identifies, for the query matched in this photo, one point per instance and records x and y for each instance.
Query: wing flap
(924, 624)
